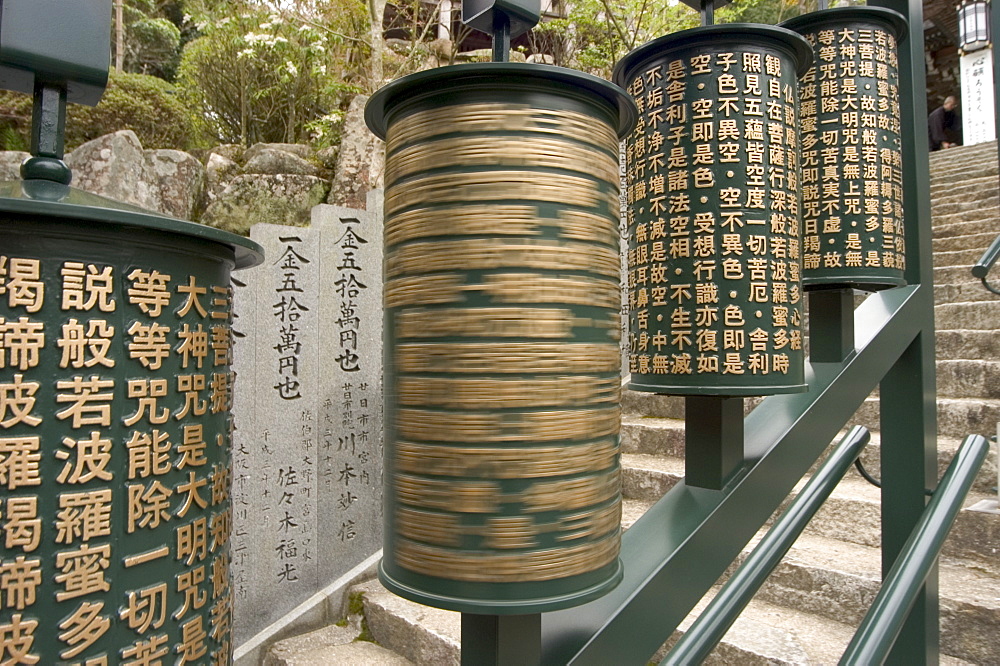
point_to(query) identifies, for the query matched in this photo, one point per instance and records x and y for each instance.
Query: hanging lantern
(852, 166)
(713, 212)
(973, 25)
(502, 365)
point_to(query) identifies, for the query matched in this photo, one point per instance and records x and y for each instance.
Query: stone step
(965, 292)
(652, 436)
(977, 241)
(967, 344)
(851, 514)
(964, 257)
(962, 154)
(973, 315)
(793, 620)
(944, 188)
(838, 580)
(971, 207)
(422, 634)
(965, 222)
(968, 378)
(956, 417)
(648, 477)
(956, 275)
(957, 175)
(955, 170)
(764, 634)
(652, 451)
(966, 191)
(334, 644)
(665, 406)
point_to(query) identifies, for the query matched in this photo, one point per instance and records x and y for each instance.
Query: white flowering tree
(275, 73)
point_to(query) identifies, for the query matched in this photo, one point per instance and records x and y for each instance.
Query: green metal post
(713, 440)
(501, 37)
(48, 122)
(495, 640)
(908, 416)
(831, 325)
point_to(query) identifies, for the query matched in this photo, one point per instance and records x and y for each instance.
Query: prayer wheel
(714, 264)
(502, 364)
(115, 392)
(852, 167)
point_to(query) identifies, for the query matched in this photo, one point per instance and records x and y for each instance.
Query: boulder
(361, 163)
(219, 171)
(114, 166)
(276, 199)
(273, 161)
(10, 164)
(231, 151)
(179, 179)
(327, 157)
(299, 150)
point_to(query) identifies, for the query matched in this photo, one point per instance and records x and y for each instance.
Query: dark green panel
(852, 167)
(114, 435)
(501, 346)
(714, 275)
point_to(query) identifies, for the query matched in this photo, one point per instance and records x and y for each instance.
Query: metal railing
(884, 620)
(706, 632)
(981, 269)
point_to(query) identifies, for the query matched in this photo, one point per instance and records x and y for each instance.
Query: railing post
(713, 440)
(908, 410)
(831, 325)
(501, 640)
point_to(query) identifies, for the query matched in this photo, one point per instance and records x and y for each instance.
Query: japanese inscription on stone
(307, 445)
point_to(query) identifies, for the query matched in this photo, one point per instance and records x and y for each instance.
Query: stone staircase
(808, 610)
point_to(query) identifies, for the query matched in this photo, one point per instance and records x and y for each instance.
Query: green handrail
(702, 636)
(982, 267)
(881, 625)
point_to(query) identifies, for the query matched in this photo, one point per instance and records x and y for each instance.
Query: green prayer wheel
(852, 167)
(115, 392)
(714, 235)
(502, 362)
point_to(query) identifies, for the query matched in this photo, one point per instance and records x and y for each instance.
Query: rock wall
(232, 187)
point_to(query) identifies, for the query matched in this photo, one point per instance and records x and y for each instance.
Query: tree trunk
(119, 35)
(375, 68)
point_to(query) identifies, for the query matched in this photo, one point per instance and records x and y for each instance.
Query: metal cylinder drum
(852, 167)
(714, 265)
(502, 365)
(115, 393)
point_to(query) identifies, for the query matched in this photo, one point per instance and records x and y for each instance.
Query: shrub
(145, 104)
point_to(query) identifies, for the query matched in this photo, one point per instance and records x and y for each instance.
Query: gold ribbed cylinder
(502, 340)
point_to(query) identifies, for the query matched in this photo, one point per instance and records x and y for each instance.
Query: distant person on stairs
(944, 125)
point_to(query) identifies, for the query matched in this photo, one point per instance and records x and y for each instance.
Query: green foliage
(145, 104)
(759, 11)
(152, 37)
(152, 46)
(597, 33)
(259, 76)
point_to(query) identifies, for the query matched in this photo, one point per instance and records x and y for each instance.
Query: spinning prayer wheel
(502, 364)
